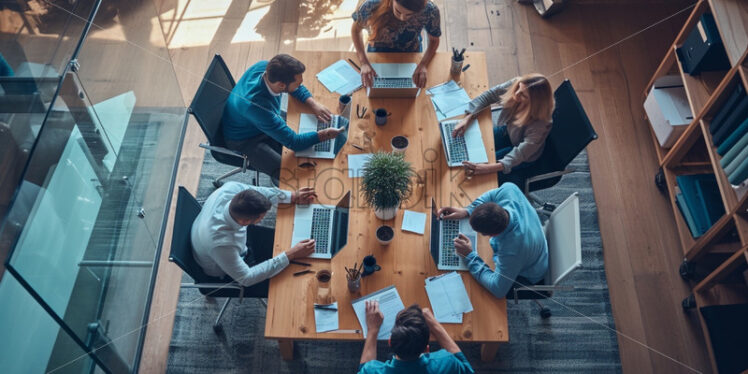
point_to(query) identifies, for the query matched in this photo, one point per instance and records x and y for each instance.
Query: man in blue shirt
(409, 341)
(517, 239)
(252, 123)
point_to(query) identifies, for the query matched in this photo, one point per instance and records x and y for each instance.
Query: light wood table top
(405, 262)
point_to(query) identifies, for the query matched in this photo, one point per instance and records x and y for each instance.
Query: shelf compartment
(732, 21)
(712, 239)
(730, 270)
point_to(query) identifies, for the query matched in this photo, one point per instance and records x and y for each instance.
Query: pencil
(354, 64)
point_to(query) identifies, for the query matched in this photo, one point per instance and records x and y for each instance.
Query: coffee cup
(380, 116)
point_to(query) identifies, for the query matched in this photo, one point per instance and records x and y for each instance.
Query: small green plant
(386, 180)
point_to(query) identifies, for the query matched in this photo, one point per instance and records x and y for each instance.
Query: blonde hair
(540, 99)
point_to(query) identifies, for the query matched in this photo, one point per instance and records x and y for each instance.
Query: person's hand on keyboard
(329, 133)
(367, 75)
(303, 196)
(463, 246)
(449, 212)
(302, 249)
(419, 76)
(461, 126)
(323, 114)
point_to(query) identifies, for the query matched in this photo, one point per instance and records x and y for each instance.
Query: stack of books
(729, 130)
(699, 201)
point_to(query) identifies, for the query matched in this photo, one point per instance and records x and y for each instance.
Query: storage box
(703, 49)
(667, 109)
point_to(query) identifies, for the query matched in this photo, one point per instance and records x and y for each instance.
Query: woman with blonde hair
(524, 123)
(395, 26)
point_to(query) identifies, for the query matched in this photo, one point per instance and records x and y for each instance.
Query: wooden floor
(639, 237)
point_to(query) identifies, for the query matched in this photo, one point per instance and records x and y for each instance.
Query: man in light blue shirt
(517, 239)
(251, 119)
(410, 342)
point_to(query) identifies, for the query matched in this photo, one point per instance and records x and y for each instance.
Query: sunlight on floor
(247, 31)
(193, 23)
(326, 25)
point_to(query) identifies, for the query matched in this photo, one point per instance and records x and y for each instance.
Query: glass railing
(84, 229)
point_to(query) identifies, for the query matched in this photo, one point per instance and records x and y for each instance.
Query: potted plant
(386, 181)
(385, 234)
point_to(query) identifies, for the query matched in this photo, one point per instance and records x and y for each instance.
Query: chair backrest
(564, 240)
(181, 245)
(571, 131)
(210, 99)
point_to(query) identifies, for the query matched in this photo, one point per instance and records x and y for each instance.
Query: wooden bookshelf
(715, 261)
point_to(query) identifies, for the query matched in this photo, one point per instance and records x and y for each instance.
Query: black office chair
(570, 134)
(181, 254)
(207, 107)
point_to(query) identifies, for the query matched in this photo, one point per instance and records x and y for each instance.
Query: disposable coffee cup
(323, 287)
(399, 144)
(344, 106)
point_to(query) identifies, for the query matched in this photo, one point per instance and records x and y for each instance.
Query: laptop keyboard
(327, 144)
(393, 82)
(321, 229)
(456, 145)
(447, 255)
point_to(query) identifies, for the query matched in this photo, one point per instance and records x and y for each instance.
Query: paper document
(448, 297)
(326, 319)
(356, 164)
(449, 100)
(340, 77)
(389, 303)
(414, 221)
(444, 87)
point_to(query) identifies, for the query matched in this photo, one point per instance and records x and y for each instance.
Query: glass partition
(86, 223)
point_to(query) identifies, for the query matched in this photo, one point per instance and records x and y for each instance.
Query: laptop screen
(434, 235)
(342, 138)
(340, 225)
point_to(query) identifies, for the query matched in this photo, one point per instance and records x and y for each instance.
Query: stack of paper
(449, 100)
(340, 77)
(326, 317)
(448, 297)
(389, 304)
(356, 164)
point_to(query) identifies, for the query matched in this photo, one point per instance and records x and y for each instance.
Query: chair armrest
(545, 176)
(543, 288)
(223, 150)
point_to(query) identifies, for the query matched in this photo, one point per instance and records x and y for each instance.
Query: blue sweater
(252, 110)
(520, 250)
(437, 362)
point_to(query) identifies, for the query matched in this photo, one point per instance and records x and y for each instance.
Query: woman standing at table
(395, 26)
(524, 123)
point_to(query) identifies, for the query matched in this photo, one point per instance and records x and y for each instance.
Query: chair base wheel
(549, 207)
(545, 313)
(217, 184)
(218, 329)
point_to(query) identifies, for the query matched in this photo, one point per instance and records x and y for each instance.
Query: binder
(686, 215)
(732, 121)
(727, 108)
(693, 204)
(735, 163)
(711, 198)
(734, 151)
(740, 174)
(733, 138)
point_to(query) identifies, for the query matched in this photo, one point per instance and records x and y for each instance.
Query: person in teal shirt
(520, 250)
(251, 120)
(410, 342)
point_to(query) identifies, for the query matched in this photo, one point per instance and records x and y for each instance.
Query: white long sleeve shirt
(219, 243)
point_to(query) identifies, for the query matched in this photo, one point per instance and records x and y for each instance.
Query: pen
(296, 274)
(299, 263)
(354, 64)
(357, 146)
(345, 331)
(325, 307)
(466, 67)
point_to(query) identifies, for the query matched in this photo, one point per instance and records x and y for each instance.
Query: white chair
(562, 231)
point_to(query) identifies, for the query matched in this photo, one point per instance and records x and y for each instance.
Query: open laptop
(468, 147)
(326, 224)
(441, 241)
(393, 80)
(328, 148)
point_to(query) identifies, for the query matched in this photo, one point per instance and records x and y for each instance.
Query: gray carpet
(567, 342)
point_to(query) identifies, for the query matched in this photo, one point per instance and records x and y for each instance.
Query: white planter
(386, 214)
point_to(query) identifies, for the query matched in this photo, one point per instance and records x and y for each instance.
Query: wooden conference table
(406, 261)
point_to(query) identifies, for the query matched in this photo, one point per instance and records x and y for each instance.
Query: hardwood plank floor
(641, 245)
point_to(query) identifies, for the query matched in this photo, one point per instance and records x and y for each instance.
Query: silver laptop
(328, 148)
(393, 80)
(441, 242)
(468, 147)
(326, 224)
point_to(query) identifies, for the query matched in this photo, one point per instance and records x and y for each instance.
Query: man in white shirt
(219, 233)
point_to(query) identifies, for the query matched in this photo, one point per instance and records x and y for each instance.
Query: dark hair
(248, 204)
(489, 219)
(410, 335)
(284, 68)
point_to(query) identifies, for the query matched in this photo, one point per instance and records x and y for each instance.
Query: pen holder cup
(354, 285)
(324, 295)
(344, 106)
(456, 66)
